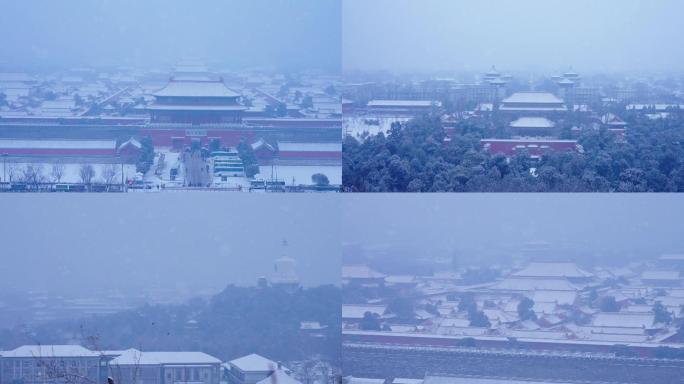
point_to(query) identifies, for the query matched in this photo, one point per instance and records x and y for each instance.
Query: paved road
(391, 361)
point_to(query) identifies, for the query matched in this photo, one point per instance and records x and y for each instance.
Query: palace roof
(569, 270)
(532, 97)
(402, 103)
(532, 122)
(623, 319)
(360, 272)
(192, 107)
(533, 284)
(196, 88)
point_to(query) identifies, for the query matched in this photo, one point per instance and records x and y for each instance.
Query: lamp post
(122, 172)
(4, 167)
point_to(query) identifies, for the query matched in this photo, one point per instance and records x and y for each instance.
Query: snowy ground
(14, 170)
(357, 126)
(301, 173)
(158, 178)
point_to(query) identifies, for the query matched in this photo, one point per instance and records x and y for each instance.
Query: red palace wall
(539, 345)
(309, 155)
(58, 152)
(165, 137)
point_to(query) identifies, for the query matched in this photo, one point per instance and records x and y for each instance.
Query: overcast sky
(544, 35)
(281, 34)
(67, 243)
(636, 226)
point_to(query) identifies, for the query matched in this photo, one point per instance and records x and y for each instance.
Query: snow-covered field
(159, 178)
(301, 173)
(357, 126)
(71, 173)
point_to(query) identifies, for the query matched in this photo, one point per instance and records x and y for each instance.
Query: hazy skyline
(279, 34)
(436, 225)
(68, 243)
(526, 35)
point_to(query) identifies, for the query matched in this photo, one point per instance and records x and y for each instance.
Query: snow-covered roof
(362, 380)
(533, 284)
(402, 380)
(311, 325)
(45, 351)
(485, 107)
(492, 72)
(192, 107)
(279, 376)
(532, 97)
(609, 330)
(558, 297)
(639, 308)
(56, 144)
(478, 380)
(261, 143)
(567, 270)
(360, 272)
(532, 122)
(403, 103)
(660, 275)
(672, 257)
(618, 338)
(400, 279)
(196, 88)
(670, 301)
(254, 363)
(612, 119)
(310, 147)
(132, 141)
(357, 311)
(623, 319)
(500, 316)
(544, 307)
(136, 357)
(537, 334)
(454, 322)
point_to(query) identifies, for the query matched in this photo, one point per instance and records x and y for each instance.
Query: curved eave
(212, 108)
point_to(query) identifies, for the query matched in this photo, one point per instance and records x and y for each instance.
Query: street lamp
(122, 171)
(4, 167)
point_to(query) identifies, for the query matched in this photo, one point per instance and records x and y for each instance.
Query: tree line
(414, 157)
(236, 322)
